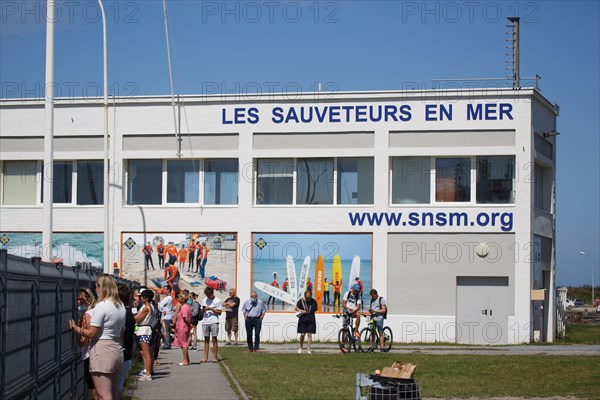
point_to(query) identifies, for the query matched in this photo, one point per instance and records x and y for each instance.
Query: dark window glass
(90, 182)
(144, 182)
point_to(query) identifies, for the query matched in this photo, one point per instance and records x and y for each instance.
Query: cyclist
(351, 305)
(377, 311)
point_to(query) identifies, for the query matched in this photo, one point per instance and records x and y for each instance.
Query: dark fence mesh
(39, 356)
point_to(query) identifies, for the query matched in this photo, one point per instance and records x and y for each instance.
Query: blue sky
(299, 245)
(347, 45)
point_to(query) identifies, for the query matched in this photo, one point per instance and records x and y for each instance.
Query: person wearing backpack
(196, 317)
(144, 319)
(378, 310)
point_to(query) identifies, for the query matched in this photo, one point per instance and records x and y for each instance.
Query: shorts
(106, 357)
(194, 321)
(210, 330)
(379, 324)
(346, 320)
(147, 339)
(231, 325)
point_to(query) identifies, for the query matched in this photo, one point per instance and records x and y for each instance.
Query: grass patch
(326, 376)
(582, 334)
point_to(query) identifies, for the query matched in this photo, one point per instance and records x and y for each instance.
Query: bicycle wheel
(344, 340)
(367, 340)
(388, 338)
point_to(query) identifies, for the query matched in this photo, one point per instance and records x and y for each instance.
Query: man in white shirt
(166, 309)
(212, 308)
(351, 304)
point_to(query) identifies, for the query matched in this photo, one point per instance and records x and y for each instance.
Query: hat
(356, 287)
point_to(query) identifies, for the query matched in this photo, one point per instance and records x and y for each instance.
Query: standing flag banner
(291, 275)
(304, 273)
(319, 278)
(354, 271)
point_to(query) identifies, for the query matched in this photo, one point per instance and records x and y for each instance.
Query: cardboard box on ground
(399, 370)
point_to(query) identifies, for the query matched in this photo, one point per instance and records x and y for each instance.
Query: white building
(433, 177)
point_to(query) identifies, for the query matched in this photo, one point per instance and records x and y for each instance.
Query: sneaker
(300, 350)
(142, 373)
(308, 352)
(144, 378)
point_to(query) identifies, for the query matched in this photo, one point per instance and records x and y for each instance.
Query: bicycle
(370, 337)
(346, 338)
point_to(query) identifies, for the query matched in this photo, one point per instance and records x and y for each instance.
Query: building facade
(441, 200)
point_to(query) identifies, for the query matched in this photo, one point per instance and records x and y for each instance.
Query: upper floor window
(144, 182)
(221, 181)
(19, 183)
(495, 179)
(411, 180)
(453, 179)
(303, 181)
(275, 183)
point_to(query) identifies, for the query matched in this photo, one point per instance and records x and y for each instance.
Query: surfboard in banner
(304, 273)
(336, 270)
(354, 271)
(291, 275)
(275, 292)
(319, 277)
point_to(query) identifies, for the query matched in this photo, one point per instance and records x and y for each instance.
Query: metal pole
(583, 253)
(515, 50)
(107, 265)
(48, 167)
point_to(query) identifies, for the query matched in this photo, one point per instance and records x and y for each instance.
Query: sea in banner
(70, 247)
(271, 260)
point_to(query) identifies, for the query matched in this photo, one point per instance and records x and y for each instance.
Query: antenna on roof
(514, 48)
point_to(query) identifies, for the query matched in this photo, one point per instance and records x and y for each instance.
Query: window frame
(294, 177)
(472, 202)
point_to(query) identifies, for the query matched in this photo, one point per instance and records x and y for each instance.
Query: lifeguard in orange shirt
(171, 250)
(182, 256)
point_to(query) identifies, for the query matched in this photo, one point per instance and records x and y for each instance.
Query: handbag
(299, 313)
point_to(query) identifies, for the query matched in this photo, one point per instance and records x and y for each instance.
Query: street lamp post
(583, 253)
(107, 265)
(48, 167)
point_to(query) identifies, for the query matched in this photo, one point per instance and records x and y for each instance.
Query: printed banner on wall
(285, 265)
(175, 261)
(67, 247)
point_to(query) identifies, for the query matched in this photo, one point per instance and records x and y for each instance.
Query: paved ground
(198, 381)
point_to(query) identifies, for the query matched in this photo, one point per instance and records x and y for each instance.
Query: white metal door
(482, 310)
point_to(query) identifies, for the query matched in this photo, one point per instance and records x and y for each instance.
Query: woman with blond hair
(105, 330)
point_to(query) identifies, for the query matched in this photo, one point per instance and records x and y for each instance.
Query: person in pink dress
(183, 324)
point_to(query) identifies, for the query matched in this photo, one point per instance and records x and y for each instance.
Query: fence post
(74, 346)
(57, 331)
(35, 310)
(3, 317)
